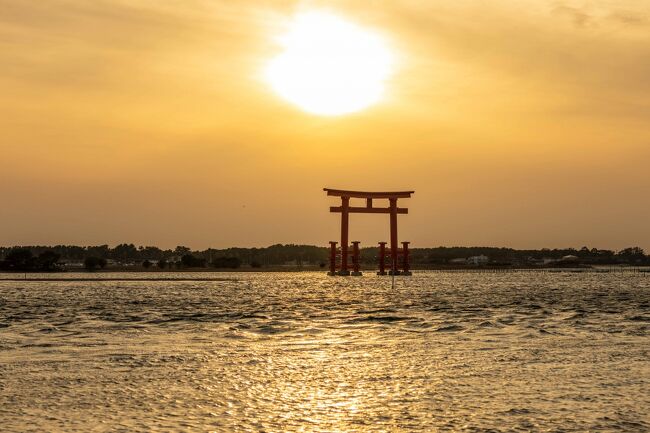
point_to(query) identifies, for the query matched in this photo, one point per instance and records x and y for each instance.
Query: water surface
(306, 352)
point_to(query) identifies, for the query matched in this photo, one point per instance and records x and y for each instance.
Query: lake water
(303, 352)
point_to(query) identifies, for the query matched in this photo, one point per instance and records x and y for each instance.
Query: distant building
(478, 260)
(541, 262)
(461, 261)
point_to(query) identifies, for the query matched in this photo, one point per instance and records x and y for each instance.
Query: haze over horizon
(518, 124)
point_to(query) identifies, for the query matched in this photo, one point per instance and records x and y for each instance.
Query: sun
(330, 66)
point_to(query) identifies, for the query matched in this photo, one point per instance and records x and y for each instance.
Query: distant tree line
(97, 257)
(51, 258)
(589, 256)
(23, 260)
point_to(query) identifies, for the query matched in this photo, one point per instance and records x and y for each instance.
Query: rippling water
(304, 352)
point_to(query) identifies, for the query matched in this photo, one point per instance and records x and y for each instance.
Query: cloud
(579, 17)
(629, 18)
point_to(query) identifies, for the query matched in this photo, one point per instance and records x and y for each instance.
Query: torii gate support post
(406, 265)
(332, 258)
(355, 259)
(382, 258)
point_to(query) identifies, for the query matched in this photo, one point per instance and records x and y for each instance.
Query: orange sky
(517, 123)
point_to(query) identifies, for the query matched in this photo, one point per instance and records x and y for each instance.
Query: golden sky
(518, 123)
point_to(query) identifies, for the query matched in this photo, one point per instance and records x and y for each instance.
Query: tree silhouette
(189, 261)
(48, 261)
(92, 263)
(226, 262)
(19, 259)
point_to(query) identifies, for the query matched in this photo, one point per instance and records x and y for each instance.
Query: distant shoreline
(159, 275)
(314, 268)
(114, 279)
(296, 258)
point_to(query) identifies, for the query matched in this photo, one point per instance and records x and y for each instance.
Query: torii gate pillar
(345, 219)
(393, 232)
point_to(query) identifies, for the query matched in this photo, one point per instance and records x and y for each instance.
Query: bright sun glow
(330, 66)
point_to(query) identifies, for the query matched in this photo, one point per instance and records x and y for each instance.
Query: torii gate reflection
(345, 210)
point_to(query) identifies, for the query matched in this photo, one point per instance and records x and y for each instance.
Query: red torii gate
(345, 210)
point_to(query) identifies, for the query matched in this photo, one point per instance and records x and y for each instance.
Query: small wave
(234, 336)
(377, 311)
(270, 330)
(41, 345)
(208, 317)
(381, 319)
(487, 324)
(450, 328)
(576, 316)
(516, 411)
(313, 331)
(440, 308)
(639, 319)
